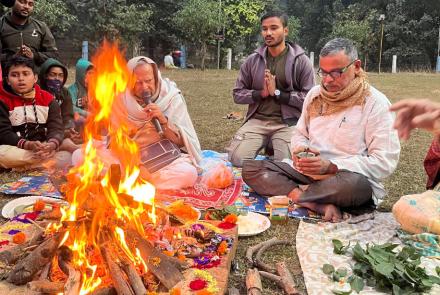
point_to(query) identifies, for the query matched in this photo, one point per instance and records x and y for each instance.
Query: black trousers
(345, 189)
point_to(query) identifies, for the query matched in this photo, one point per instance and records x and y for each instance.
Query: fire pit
(113, 238)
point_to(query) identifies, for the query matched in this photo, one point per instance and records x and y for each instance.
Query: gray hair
(340, 44)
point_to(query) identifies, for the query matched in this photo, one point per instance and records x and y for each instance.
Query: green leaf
(437, 269)
(342, 272)
(359, 253)
(384, 268)
(434, 279)
(396, 290)
(338, 247)
(357, 284)
(328, 269)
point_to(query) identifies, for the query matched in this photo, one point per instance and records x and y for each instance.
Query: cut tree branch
(258, 261)
(253, 282)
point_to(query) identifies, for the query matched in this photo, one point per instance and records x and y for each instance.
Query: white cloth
(168, 61)
(173, 105)
(360, 139)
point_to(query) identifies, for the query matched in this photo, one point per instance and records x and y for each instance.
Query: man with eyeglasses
(343, 146)
(273, 82)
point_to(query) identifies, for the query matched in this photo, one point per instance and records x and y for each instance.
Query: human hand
(416, 113)
(265, 92)
(153, 111)
(74, 135)
(47, 151)
(26, 51)
(31, 145)
(313, 165)
(270, 83)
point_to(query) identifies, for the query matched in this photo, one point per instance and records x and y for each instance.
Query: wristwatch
(277, 93)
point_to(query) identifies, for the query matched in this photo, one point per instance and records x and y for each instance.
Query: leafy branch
(380, 267)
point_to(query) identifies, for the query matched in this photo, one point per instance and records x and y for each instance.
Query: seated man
(346, 124)
(53, 77)
(31, 128)
(169, 108)
(168, 61)
(78, 92)
(273, 82)
(169, 157)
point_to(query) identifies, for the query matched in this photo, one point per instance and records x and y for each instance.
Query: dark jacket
(63, 98)
(36, 35)
(299, 75)
(12, 119)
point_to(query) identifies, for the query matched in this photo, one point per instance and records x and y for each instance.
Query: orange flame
(90, 192)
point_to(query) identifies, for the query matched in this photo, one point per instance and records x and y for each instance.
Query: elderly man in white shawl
(169, 108)
(169, 159)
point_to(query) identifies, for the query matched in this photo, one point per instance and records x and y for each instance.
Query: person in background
(78, 92)
(21, 34)
(31, 127)
(52, 78)
(168, 61)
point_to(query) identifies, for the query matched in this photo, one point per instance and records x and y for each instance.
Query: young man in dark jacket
(31, 128)
(53, 77)
(273, 81)
(20, 34)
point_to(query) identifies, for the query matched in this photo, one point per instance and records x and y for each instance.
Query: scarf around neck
(327, 103)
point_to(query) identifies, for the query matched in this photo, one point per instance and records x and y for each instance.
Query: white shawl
(173, 105)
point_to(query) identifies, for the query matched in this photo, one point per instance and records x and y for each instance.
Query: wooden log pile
(279, 274)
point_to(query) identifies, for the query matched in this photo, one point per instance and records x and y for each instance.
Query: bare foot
(295, 194)
(331, 213)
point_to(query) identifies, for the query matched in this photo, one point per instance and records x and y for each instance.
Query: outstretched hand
(416, 113)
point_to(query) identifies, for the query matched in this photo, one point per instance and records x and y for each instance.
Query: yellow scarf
(327, 103)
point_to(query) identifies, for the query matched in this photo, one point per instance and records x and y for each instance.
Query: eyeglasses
(335, 74)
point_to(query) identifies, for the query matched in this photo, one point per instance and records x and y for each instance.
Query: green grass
(209, 98)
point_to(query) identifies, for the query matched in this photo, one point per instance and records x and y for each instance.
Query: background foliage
(410, 27)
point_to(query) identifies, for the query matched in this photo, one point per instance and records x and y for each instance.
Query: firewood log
(287, 280)
(251, 250)
(158, 263)
(133, 277)
(118, 277)
(12, 255)
(25, 270)
(109, 290)
(73, 283)
(258, 261)
(45, 286)
(253, 282)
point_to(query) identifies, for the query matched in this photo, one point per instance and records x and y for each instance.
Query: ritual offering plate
(252, 224)
(25, 205)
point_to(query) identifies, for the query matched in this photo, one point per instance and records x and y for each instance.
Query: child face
(55, 73)
(21, 79)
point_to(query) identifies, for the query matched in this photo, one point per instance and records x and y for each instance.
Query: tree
(55, 14)
(113, 19)
(356, 24)
(199, 20)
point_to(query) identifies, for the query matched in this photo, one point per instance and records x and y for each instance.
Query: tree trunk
(203, 55)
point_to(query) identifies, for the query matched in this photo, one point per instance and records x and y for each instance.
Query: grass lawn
(208, 95)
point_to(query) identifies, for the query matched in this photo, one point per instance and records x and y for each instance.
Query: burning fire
(99, 207)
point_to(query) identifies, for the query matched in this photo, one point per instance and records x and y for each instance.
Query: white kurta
(359, 139)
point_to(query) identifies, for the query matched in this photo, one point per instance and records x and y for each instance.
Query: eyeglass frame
(338, 73)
